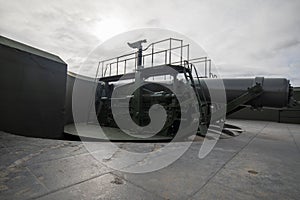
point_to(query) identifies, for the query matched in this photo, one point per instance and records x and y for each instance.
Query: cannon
(145, 85)
(44, 105)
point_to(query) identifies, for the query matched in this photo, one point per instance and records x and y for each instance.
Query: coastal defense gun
(150, 76)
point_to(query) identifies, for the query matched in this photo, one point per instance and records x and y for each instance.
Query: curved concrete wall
(84, 84)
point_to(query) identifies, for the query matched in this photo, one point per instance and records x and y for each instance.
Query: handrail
(160, 41)
(198, 79)
(112, 65)
(131, 56)
(143, 49)
(167, 49)
(145, 55)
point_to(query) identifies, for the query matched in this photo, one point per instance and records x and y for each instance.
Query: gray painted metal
(276, 91)
(285, 115)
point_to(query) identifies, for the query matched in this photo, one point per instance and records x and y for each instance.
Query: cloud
(243, 37)
(153, 22)
(287, 44)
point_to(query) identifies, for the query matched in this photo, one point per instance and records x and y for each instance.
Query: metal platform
(165, 69)
(261, 163)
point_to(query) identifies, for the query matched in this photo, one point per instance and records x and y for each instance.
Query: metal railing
(153, 55)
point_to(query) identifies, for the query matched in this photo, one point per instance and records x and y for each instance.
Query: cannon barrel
(276, 92)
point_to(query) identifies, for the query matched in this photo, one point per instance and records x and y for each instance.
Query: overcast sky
(243, 37)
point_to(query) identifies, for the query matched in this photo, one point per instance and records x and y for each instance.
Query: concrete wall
(32, 86)
(85, 87)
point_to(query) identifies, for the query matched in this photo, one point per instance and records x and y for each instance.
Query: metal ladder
(203, 106)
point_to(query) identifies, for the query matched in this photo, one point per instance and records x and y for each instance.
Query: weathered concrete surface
(261, 163)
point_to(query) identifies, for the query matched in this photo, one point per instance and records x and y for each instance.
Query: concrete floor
(261, 163)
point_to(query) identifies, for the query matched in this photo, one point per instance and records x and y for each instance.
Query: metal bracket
(251, 94)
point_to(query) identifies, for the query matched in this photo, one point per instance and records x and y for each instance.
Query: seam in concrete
(136, 185)
(222, 167)
(56, 159)
(71, 185)
(292, 135)
(36, 178)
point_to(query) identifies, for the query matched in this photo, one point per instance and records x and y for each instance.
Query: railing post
(205, 66)
(140, 57)
(170, 51)
(102, 68)
(181, 43)
(117, 65)
(125, 67)
(188, 52)
(166, 56)
(152, 55)
(209, 65)
(110, 69)
(135, 61)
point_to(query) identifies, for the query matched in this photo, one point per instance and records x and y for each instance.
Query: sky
(244, 38)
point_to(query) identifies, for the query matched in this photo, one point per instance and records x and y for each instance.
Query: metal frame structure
(111, 72)
(113, 69)
(112, 66)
